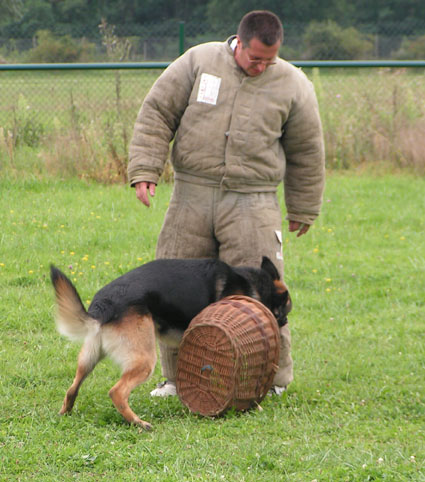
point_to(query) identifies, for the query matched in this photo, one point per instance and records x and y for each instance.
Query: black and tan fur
(160, 297)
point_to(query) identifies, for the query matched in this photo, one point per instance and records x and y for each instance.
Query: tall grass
(373, 116)
(355, 411)
(80, 123)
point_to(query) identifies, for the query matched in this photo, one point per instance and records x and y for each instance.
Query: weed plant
(355, 411)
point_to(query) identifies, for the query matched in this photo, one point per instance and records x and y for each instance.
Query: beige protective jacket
(241, 133)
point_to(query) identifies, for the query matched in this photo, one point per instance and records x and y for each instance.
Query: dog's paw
(64, 410)
(144, 426)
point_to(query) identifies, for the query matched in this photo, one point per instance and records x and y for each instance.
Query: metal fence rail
(162, 65)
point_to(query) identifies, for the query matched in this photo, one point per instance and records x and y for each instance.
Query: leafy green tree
(412, 49)
(51, 48)
(10, 9)
(327, 40)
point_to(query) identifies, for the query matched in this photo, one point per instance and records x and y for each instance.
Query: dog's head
(263, 284)
(276, 295)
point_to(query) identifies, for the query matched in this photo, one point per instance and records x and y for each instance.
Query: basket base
(228, 357)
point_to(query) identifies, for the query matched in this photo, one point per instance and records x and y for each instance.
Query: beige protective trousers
(207, 222)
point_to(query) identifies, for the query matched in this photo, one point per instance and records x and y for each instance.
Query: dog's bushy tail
(72, 319)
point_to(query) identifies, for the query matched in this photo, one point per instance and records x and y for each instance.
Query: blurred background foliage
(71, 30)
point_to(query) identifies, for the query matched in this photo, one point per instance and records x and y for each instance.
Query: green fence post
(181, 38)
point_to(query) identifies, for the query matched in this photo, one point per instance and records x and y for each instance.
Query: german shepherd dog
(159, 297)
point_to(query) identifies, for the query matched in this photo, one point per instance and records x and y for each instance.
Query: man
(243, 120)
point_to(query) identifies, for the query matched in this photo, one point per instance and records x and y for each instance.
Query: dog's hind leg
(120, 392)
(89, 356)
(131, 343)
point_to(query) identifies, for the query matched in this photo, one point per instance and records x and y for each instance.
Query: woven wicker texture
(228, 356)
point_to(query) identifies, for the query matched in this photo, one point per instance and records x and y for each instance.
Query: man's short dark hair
(262, 24)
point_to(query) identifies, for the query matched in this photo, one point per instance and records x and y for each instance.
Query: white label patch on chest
(208, 89)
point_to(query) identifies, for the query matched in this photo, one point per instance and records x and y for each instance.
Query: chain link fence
(80, 122)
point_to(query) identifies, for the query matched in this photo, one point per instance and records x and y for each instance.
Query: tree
(327, 41)
(11, 10)
(412, 49)
(51, 48)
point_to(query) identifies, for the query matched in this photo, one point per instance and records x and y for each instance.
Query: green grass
(355, 411)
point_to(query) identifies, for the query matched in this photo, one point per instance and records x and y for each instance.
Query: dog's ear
(270, 268)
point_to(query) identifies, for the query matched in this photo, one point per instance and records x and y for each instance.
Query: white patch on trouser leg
(279, 254)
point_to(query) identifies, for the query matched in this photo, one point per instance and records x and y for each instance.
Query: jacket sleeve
(158, 120)
(305, 158)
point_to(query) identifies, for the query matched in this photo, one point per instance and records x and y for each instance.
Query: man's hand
(300, 227)
(144, 190)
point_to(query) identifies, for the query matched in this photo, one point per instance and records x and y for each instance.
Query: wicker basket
(228, 356)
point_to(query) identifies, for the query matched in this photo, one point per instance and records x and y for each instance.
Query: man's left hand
(297, 226)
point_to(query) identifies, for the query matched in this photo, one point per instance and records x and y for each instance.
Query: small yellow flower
(71, 253)
(330, 230)
(2, 265)
(107, 262)
(315, 250)
(139, 259)
(402, 238)
(314, 270)
(328, 290)
(328, 280)
(30, 271)
(93, 266)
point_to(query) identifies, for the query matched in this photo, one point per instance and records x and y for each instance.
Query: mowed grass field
(355, 412)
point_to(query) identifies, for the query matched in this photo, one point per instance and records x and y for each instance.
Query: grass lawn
(355, 412)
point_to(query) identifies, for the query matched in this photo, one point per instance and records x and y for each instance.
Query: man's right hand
(144, 190)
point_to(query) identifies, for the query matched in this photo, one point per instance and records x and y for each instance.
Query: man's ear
(270, 268)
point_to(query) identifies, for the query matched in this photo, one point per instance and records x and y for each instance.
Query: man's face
(255, 57)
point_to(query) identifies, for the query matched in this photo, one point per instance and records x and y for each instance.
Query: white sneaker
(165, 389)
(275, 390)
